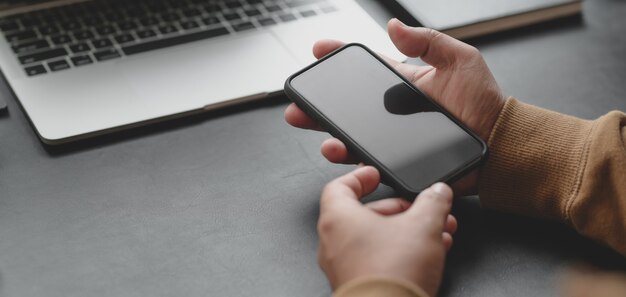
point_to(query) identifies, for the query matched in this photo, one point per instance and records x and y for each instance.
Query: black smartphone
(384, 120)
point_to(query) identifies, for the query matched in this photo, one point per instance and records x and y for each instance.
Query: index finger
(435, 48)
(297, 118)
(324, 47)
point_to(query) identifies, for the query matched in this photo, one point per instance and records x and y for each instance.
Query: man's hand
(388, 238)
(458, 79)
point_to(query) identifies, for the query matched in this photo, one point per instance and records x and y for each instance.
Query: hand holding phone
(384, 120)
(456, 77)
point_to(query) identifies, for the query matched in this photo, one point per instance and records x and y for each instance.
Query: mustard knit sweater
(549, 165)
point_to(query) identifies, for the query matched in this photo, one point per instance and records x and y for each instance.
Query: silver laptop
(85, 68)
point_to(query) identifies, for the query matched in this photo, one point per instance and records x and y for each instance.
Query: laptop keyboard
(91, 32)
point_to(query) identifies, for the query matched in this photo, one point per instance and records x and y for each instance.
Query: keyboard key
(231, 16)
(252, 12)
(45, 55)
(30, 22)
(58, 65)
(267, 22)
(48, 29)
(178, 4)
(71, 26)
(61, 39)
(146, 34)
(92, 20)
(169, 29)
(211, 7)
(30, 46)
(211, 21)
(107, 54)
(35, 70)
(170, 17)
(21, 35)
(296, 3)
(177, 40)
(113, 17)
(81, 60)
(328, 9)
(83, 35)
(308, 13)
(273, 8)
(106, 30)
(192, 12)
(287, 17)
(149, 21)
(306, 2)
(102, 43)
(134, 8)
(9, 26)
(187, 25)
(243, 26)
(127, 26)
(79, 48)
(49, 17)
(125, 38)
(233, 4)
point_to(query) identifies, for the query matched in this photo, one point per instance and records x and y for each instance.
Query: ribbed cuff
(536, 161)
(376, 287)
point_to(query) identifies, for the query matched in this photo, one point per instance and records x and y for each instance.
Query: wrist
(379, 286)
(491, 115)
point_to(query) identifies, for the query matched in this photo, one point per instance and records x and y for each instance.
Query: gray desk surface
(225, 204)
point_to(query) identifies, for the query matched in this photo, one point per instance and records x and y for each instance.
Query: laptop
(86, 68)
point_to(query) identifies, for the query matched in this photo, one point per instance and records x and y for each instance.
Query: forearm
(554, 166)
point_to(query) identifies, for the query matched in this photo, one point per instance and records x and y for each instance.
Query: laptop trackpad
(194, 75)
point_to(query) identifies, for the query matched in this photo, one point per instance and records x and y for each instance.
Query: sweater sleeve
(376, 287)
(554, 166)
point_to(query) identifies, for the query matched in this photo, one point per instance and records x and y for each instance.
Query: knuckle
(326, 225)
(471, 54)
(433, 34)
(435, 200)
(429, 196)
(473, 51)
(327, 191)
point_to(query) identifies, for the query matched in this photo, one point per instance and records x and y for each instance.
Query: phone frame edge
(386, 174)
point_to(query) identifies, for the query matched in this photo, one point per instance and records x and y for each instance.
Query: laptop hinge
(34, 7)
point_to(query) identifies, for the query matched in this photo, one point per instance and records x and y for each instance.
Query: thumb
(349, 188)
(432, 207)
(435, 48)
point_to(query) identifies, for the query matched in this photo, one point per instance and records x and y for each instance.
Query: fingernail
(400, 22)
(362, 168)
(439, 188)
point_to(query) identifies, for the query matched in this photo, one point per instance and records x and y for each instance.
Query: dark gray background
(225, 204)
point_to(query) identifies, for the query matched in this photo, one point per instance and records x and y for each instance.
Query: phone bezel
(354, 147)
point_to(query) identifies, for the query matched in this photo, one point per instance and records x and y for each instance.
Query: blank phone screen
(394, 124)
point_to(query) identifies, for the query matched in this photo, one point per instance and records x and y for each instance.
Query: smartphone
(385, 121)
